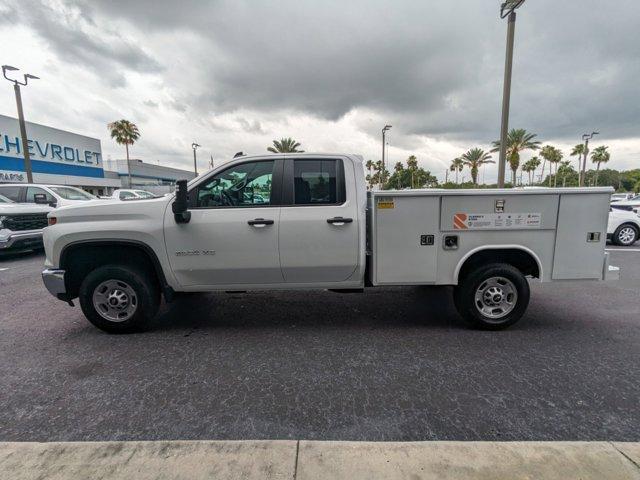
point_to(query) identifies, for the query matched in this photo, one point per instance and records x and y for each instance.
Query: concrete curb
(311, 460)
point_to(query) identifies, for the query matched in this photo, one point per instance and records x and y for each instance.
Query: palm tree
(475, 158)
(285, 145)
(518, 140)
(579, 151)
(535, 163)
(530, 167)
(124, 133)
(547, 153)
(370, 166)
(457, 165)
(553, 155)
(565, 169)
(598, 156)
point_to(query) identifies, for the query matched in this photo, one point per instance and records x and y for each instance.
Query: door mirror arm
(181, 214)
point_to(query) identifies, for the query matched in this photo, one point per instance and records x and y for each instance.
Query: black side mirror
(180, 204)
(40, 199)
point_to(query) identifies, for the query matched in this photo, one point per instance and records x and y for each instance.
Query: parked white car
(53, 195)
(630, 204)
(618, 197)
(21, 225)
(130, 194)
(624, 227)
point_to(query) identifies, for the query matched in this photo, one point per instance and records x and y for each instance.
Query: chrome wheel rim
(496, 297)
(627, 235)
(115, 300)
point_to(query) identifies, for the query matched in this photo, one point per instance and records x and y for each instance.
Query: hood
(93, 210)
(624, 214)
(628, 203)
(21, 208)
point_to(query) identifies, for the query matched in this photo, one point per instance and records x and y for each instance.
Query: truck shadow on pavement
(388, 307)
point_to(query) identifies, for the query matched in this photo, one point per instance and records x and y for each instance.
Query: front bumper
(54, 281)
(21, 240)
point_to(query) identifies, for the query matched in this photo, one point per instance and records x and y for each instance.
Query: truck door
(319, 241)
(232, 237)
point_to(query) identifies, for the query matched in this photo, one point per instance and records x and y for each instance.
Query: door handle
(338, 221)
(260, 222)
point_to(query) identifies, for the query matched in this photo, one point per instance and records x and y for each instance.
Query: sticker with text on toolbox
(386, 203)
(494, 221)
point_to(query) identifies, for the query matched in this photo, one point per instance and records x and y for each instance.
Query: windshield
(4, 199)
(144, 194)
(72, 193)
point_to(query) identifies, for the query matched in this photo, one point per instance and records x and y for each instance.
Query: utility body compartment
(425, 236)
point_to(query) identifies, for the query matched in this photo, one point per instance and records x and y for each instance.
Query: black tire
(626, 241)
(464, 296)
(147, 298)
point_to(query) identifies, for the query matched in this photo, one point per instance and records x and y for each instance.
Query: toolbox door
(407, 239)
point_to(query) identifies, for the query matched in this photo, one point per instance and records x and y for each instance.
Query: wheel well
(520, 259)
(629, 224)
(78, 260)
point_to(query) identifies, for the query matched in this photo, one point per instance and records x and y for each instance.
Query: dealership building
(65, 158)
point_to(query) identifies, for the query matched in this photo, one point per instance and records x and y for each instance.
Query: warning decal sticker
(386, 203)
(496, 221)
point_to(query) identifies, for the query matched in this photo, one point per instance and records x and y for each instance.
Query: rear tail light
(52, 220)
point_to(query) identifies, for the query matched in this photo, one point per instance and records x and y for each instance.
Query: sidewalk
(311, 460)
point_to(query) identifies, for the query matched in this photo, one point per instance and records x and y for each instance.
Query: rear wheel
(119, 298)
(625, 235)
(492, 297)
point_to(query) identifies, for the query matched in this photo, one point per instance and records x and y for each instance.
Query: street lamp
(384, 132)
(507, 9)
(583, 171)
(23, 127)
(194, 145)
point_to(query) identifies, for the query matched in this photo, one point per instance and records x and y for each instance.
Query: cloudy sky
(234, 75)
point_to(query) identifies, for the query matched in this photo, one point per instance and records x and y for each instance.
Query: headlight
(2, 219)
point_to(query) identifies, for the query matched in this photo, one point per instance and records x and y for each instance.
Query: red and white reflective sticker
(496, 221)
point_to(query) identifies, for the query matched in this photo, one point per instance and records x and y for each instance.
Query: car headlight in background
(52, 221)
(2, 219)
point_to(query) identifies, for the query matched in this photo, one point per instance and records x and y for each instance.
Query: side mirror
(40, 199)
(180, 204)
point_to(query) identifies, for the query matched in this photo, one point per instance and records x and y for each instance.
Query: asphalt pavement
(391, 364)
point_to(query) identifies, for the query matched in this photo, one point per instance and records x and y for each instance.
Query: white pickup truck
(306, 221)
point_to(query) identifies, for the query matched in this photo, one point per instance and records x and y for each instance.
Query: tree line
(560, 172)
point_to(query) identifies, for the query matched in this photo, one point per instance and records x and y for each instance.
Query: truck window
(244, 185)
(125, 195)
(316, 182)
(31, 192)
(12, 193)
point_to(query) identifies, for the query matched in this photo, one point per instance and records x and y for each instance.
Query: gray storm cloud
(436, 67)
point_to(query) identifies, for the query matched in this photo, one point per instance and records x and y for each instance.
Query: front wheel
(492, 297)
(625, 235)
(119, 298)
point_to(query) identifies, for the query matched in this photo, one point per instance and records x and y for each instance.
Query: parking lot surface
(389, 364)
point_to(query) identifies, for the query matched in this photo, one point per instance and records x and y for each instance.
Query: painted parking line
(622, 249)
(3, 269)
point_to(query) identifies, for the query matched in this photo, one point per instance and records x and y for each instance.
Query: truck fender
(468, 255)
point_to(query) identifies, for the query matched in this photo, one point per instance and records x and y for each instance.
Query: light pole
(23, 126)
(507, 9)
(194, 145)
(384, 132)
(583, 171)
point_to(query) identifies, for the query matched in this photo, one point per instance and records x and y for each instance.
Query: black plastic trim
(167, 291)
